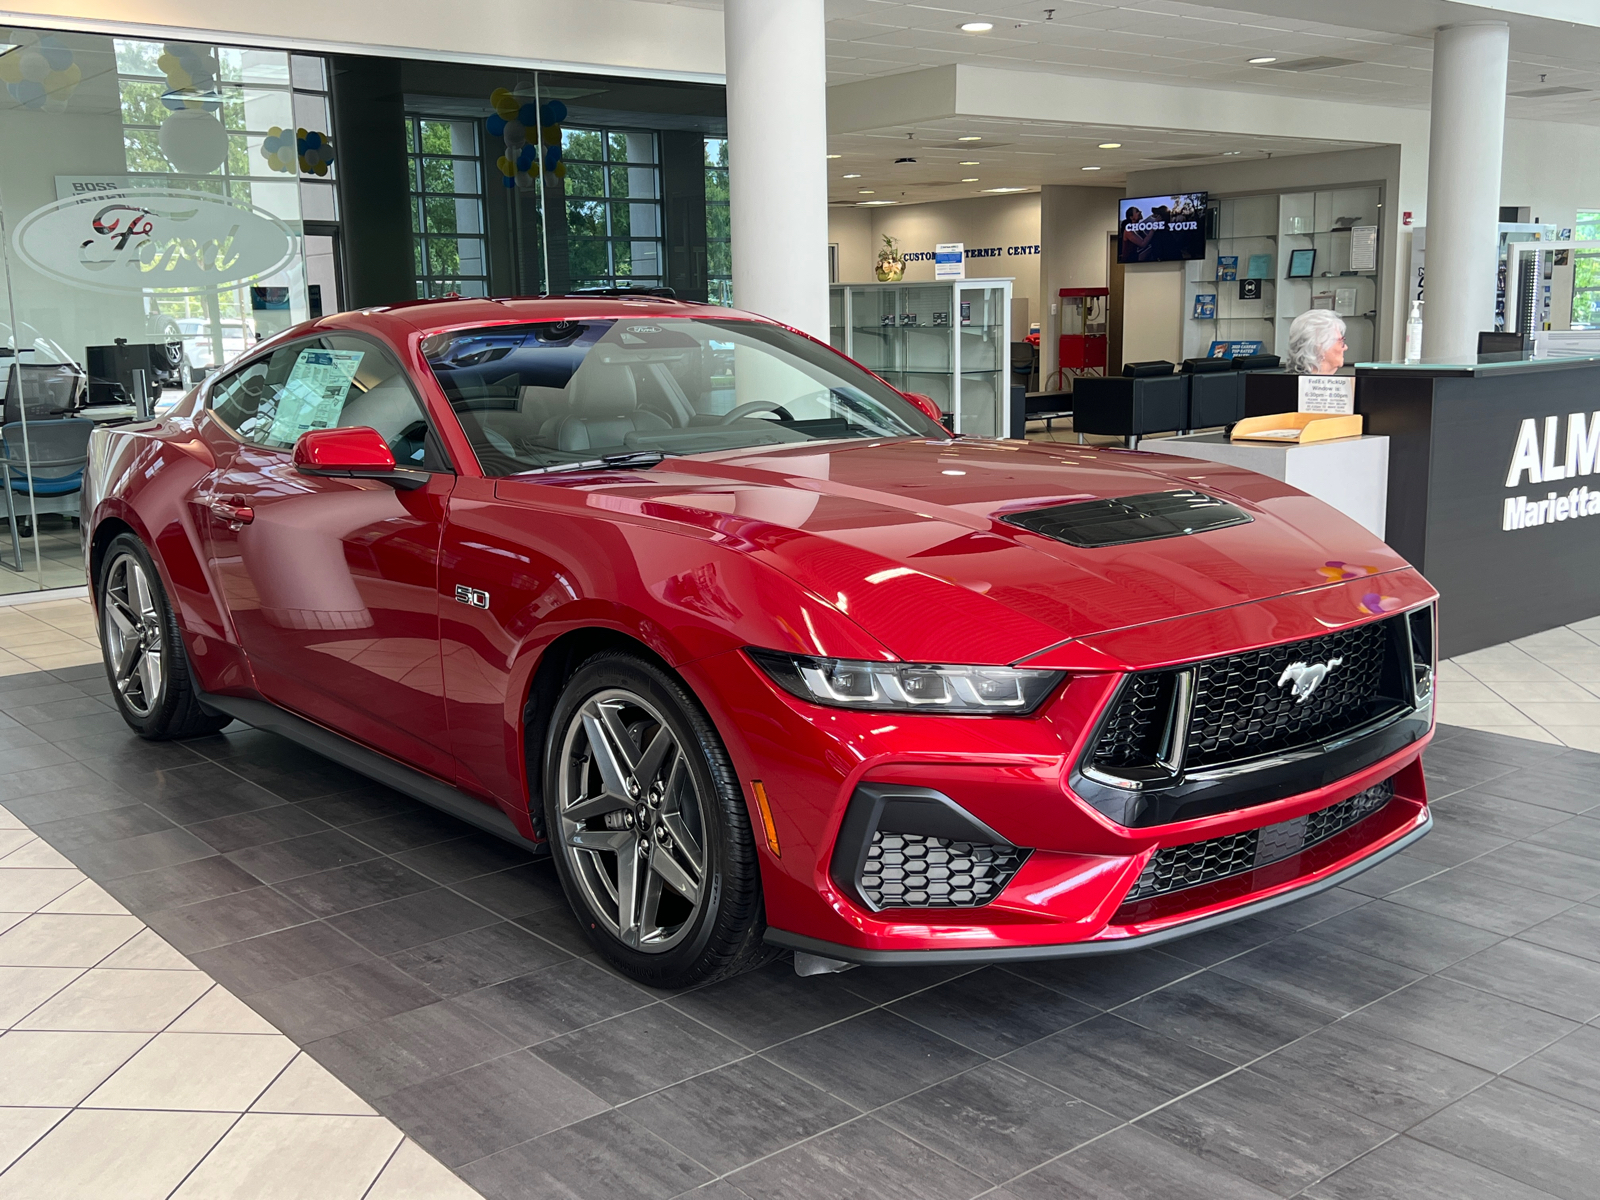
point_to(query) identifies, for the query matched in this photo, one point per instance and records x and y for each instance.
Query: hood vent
(1127, 519)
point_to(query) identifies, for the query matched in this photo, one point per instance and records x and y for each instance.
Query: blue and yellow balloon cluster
(310, 151)
(511, 120)
(191, 73)
(38, 70)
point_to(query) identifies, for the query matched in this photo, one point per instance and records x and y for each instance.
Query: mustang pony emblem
(1307, 677)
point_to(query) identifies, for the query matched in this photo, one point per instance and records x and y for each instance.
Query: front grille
(1178, 867)
(913, 870)
(1244, 705)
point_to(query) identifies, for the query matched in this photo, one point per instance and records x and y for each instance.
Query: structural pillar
(777, 152)
(1465, 135)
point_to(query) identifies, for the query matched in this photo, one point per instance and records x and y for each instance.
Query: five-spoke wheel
(133, 635)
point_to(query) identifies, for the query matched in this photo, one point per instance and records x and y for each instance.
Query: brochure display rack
(948, 340)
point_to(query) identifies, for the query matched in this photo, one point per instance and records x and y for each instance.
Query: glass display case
(947, 340)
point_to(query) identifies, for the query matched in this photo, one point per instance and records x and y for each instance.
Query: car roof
(429, 316)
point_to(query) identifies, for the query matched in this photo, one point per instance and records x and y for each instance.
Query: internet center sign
(126, 240)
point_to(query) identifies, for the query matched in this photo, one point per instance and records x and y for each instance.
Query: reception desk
(1494, 489)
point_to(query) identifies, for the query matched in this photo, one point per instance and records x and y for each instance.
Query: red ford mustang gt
(763, 654)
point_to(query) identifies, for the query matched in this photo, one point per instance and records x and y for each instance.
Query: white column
(777, 169)
(1465, 136)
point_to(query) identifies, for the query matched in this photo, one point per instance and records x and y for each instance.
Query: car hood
(906, 537)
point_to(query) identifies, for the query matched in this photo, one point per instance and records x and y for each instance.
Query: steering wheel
(755, 406)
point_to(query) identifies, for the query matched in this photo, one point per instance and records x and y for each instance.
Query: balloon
(507, 109)
(528, 114)
(561, 171)
(34, 65)
(553, 112)
(525, 158)
(509, 181)
(552, 156)
(194, 142)
(496, 125)
(498, 96)
(551, 135)
(516, 133)
(507, 167)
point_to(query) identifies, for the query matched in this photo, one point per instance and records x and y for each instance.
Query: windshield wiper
(635, 458)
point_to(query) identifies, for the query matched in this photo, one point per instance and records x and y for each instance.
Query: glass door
(984, 316)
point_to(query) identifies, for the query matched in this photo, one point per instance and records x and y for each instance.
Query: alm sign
(127, 241)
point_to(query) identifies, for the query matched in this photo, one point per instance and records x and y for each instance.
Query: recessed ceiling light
(977, 27)
(857, 175)
(971, 162)
(1006, 189)
(1091, 168)
(974, 179)
(971, 137)
(868, 192)
(835, 156)
(873, 203)
(1231, 153)
(1110, 146)
(1261, 62)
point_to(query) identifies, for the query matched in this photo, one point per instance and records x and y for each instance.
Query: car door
(331, 584)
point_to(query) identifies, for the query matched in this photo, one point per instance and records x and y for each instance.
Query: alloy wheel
(135, 644)
(632, 819)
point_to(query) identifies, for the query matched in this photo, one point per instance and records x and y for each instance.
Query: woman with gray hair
(1316, 343)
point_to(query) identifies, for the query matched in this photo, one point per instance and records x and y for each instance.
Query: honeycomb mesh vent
(1178, 867)
(912, 870)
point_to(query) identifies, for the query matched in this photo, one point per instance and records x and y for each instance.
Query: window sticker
(314, 394)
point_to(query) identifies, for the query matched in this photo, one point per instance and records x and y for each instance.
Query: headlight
(907, 687)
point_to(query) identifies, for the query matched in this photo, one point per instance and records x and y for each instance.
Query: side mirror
(358, 452)
(925, 406)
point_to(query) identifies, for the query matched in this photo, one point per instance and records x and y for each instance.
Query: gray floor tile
(1569, 1069)
(1546, 788)
(1543, 870)
(1131, 1164)
(489, 1107)
(1477, 900)
(1400, 871)
(273, 959)
(478, 958)
(409, 1048)
(131, 820)
(1304, 968)
(738, 1113)
(1117, 1065)
(354, 805)
(1532, 1137)
(274, 862)
(864, 1160)
(186, 883)
(1405, 936)
(771, 1005)
(1277, 1137)
(992, 1011)
(232, 918)
(1449, 769)
(410, 921)
(416, 826)
(996, 1121)
(360, 885)
(197, 793)
(882, 985)
(531, 888)
(1576, 931)
(544, 1004)
(607, 1157)
(257, 828)
(1110, 980)
(320, 1006)
(1217, 945)
(638, 1052)
(1495, 814)
(904, 1058)
(557, 924)
(464, 857)
(1410, 1170)
(1462, 1022)
(1536, 976)
(1223, 1017)
(1580, 835)
(73, 800)
(1364, 1072)
(1451, 844)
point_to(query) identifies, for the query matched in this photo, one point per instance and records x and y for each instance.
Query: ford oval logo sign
(127, 241)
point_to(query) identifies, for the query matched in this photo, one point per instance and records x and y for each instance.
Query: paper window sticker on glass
(314, 394)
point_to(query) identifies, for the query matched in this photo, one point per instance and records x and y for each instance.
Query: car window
(324, 382)
(535, 396)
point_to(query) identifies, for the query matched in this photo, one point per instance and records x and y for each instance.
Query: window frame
(605, 164)
(418, 195)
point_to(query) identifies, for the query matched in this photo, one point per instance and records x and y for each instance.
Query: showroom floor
(1430, 1030)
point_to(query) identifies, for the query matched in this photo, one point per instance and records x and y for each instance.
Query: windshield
(532, 397)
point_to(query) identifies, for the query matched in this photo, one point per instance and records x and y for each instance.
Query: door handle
(229, 511)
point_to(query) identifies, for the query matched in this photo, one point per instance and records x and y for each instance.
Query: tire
(671, 812)
(142, 645)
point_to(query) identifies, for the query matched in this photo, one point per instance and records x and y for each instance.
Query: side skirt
(924, 958)
(370, 763)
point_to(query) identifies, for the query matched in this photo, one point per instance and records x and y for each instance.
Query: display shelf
(906, 332)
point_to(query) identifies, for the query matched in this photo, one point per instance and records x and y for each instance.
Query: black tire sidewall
(159, 720)
(727, 823)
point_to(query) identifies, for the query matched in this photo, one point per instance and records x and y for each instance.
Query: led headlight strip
(907, 687)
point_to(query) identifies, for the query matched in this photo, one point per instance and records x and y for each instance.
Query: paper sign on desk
(1328, 394)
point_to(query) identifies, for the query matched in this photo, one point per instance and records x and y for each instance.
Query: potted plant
(891, 264)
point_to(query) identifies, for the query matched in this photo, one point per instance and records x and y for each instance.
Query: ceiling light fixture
(971, 162)
(1231, 153)
(974, 179)
(857, 175)
(868, 192)
(1091, 168)
(1110, 146)
(873, 203)
(1263, 61)
(835, 156)
(977, 27)
(971, 137)
(1005, 189)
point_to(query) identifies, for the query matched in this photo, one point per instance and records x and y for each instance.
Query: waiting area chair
(44, 460)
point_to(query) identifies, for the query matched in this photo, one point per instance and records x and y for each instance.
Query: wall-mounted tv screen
(1161, 228)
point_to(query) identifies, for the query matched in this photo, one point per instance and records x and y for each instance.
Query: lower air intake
(1178, 867)
(912, 870)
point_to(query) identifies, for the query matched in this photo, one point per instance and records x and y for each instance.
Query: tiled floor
(1430, 1030)
(59, 560)
(1545, 688)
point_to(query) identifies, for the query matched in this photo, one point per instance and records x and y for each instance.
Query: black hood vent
(1092, 523)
